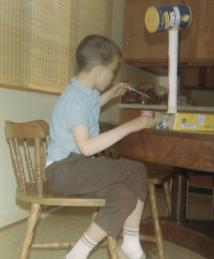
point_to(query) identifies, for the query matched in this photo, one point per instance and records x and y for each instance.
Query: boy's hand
(115, 91)
(149, 117)
(142, 122)
(119, 89)
(148, 113)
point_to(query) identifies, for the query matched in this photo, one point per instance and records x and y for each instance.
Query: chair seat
(52, 200)
(157, 174)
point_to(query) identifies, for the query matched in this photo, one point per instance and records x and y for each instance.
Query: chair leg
(112, 246)
(168, 197)
(155, 216)
(32, 220)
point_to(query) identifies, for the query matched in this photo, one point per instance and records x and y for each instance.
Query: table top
(185, 150)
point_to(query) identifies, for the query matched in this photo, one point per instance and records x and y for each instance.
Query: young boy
(72, 168)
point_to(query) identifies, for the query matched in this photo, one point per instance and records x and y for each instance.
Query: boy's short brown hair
(95, 50)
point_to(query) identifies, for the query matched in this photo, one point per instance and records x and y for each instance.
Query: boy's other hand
(120, 89)
(142, 122)
(148, 113)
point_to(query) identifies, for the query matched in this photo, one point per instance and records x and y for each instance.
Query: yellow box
(186, 121)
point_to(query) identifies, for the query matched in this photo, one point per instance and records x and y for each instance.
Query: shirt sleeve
(76, 112)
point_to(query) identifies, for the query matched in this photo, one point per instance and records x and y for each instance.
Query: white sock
(131, 243)
(82, 248)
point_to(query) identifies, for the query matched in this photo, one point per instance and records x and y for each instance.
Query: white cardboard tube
(173, 68)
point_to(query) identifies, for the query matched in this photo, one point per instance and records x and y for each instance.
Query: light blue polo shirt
(78, 105)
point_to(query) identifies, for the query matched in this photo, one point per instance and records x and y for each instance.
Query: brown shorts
(121, 182)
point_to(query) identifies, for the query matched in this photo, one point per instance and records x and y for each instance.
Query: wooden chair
(157, 175)
(28, 148)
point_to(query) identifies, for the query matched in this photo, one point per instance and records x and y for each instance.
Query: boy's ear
(98, 70)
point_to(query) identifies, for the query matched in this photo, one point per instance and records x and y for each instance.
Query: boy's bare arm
(89, 146)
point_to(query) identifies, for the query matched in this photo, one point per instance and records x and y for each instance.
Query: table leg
(179, 195)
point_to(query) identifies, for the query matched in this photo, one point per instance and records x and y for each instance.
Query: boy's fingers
(124, 84)
(121, 88)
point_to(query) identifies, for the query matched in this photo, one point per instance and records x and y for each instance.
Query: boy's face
(108, 73)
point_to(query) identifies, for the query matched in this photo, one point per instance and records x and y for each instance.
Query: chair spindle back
(28, 149)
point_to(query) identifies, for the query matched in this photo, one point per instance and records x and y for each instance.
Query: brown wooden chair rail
(28, 148)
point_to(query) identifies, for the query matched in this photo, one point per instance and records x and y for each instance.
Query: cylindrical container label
(167, 17)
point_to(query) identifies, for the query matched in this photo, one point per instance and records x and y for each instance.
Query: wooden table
(184, 151)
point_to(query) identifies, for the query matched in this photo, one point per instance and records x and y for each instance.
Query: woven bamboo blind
(38, 39)
(90, 17)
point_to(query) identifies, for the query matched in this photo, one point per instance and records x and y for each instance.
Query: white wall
(17, 106)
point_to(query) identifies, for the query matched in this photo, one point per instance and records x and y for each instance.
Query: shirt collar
(78, 84)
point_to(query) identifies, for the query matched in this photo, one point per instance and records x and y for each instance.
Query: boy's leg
(87, 242)
(77, 175)
(131, 242)
(120, 202)
(121, 182)
(134, 219)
